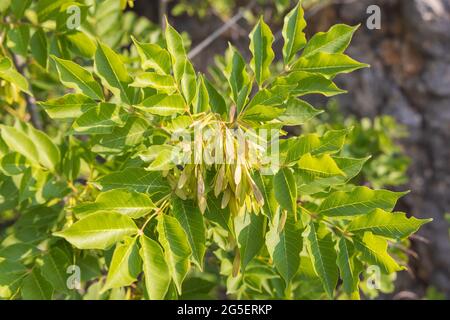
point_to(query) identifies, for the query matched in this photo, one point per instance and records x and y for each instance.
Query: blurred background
(400, 107)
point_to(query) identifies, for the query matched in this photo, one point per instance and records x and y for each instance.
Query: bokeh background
(409, 79)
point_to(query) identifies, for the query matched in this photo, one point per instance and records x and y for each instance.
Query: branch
(35, 118)
(216, 34)
(162, 13)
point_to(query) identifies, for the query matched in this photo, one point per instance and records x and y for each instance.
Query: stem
(216, 34)
(30, 100)
(158, 211)
(162, 13)
(326, 221)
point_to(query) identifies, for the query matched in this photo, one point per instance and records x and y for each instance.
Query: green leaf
(183, 70)
(298, 112)
(99, 120)
(13, 164)
(137, 179)
(294, 37)
(335, 40)
(201, 100)
(125, 265)
(391, 225)
(218, 215)
(191, 220)
(68, 107)
(162, 157)
(320, 246)
(156, 271)
(309, 83)
(197, 288)
(35, 145)
(10, 74)
(35, 287)
(89, 267)
(236, 74)
(176, 248)
(4, 5)
(328, 64)
(373, 250)
(20, 142)
(123, 138)
(153, 57)
(76, 77)
(176, 49)
(110, 68)
(347, 268)
(19, 7)
(63, 14)
(11, 276)
(250, 229)
(81, 44)
(188, 82)
(285, 243)
(266, 187)
(39, 47)
(261, 113)
(351, 168)
(217, 104)
(361, 200)
(99, 230)
(18, 39)
(124, 201)
(261, 39)
(161, 82)
(265, 106)
(47, 8)
(164, 105)
(48, 152)
(319, 166)
(54, 269)
(331, 142)
(285, 189)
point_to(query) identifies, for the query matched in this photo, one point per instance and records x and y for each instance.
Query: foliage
(111, 192)
(224, 8)
(376, 137)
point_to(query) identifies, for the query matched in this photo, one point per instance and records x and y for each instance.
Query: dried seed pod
(225, 199)
(202, 205)
(200, 186)
(229, 147)
(218, 187)
(182, 180)
(180, 193)
(237, 174)
(232, 113)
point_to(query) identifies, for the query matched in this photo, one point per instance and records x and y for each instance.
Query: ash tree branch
(35, 117)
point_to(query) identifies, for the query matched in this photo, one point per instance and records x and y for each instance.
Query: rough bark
(410, 79)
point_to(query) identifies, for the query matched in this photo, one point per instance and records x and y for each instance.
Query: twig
(30, 100)
(162, 13)
(419, 238)
(216, 34)
(405, 295)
